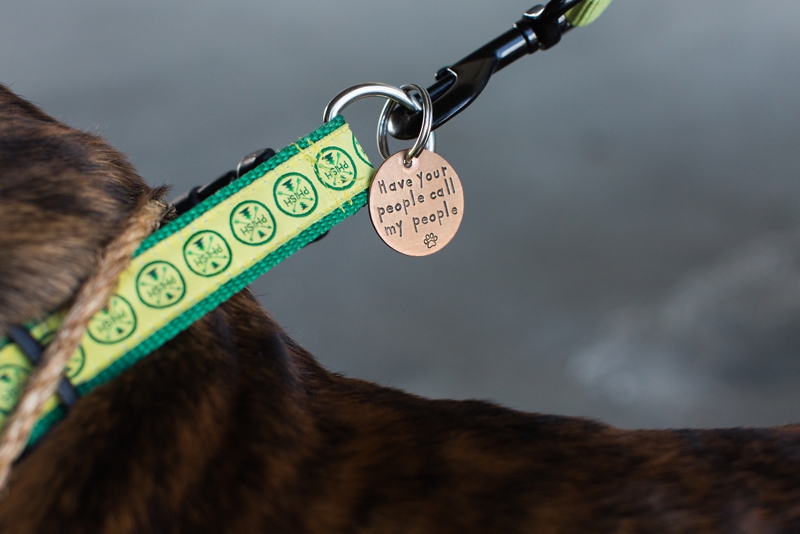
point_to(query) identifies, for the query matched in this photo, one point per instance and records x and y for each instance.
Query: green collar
(205, 256)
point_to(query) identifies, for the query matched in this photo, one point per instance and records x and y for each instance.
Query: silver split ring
(426, 136)
(395, 96)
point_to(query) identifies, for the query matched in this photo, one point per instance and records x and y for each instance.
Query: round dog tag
(416, 210)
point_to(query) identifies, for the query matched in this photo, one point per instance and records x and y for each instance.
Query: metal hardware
(458, 85)
(365, 90)
(253, 160)
(425, 130)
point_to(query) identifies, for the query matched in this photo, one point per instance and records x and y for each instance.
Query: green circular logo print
(114, 323)
(75, 362)
(12, 382)
(160, 285)
(335, 168)
(295, 194)
(360, 151)
(252, 223)
(207, 253)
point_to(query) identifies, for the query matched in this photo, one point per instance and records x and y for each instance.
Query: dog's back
(232, 427)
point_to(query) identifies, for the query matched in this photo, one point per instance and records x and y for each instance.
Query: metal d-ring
(426, 137)
(364, 90)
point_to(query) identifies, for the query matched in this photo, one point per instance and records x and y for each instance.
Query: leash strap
(586, 12)
(202, 258)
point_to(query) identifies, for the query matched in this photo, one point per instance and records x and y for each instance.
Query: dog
(233, 427)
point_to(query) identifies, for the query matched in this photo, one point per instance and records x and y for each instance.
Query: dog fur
(233, 427)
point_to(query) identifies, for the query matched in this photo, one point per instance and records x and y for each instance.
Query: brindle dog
(233, 427)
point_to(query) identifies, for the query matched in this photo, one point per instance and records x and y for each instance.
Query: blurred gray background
(631, 243)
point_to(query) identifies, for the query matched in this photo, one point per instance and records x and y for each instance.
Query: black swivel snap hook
(458, 85)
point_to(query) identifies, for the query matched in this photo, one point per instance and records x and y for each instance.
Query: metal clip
(458, 85)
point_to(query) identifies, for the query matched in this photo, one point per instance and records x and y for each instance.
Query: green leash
(204, 257)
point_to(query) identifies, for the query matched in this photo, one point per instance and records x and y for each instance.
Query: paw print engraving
(430, 240)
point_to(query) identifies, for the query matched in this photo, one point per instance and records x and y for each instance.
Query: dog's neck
(64, 195)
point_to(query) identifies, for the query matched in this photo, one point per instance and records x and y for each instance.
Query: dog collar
(202, 258)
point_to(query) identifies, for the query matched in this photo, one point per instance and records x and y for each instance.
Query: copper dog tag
(416, 210)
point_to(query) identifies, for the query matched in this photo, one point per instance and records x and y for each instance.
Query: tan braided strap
(91, 298)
